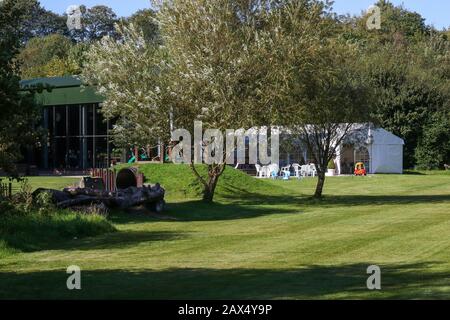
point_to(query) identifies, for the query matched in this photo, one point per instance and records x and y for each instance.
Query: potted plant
(331, 168)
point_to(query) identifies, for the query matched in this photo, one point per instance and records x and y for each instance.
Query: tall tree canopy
(97, 22)
(17, 111)
(45, 57)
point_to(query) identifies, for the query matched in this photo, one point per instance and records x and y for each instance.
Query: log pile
(89, 197)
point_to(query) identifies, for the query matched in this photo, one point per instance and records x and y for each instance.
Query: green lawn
(260, 240)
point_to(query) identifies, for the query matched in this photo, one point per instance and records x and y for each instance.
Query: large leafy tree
(128, 73)
(41, 22)
(97, 22)
(325, 94)
(17, 111)
(412, 84)
(409, 69)
(145, 20)
(433, 149)
(218, 56)
(45, 56)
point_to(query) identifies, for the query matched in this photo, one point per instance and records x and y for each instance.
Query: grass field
(260, 240)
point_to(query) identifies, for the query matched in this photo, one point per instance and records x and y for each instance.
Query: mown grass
(180, 183)
(35, 231)
(259, 240)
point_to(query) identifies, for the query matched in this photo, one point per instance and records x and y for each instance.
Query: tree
(45, 56)
(128, 73)
(218, 69)
(335, 100)
(97, 22)
(145, 20)
(320, 93)
(17, 110)
(41, 22)
(433, 150)
(412, 84)
(409, 71)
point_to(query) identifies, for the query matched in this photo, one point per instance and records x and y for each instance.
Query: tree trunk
(214, 173)
(320, 184)
(209, 184)
(210, 188)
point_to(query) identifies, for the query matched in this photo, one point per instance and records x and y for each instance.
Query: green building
(76, 132)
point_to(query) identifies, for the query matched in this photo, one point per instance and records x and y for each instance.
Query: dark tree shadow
(250, 198)
(408, 281)
(116, 240)
(198, 210)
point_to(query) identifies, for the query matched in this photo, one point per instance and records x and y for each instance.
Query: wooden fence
(108, 176)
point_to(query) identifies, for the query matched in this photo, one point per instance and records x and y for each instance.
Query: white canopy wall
(386, 152)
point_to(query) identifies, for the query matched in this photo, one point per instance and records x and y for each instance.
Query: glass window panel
(60, 153)
(90, 120)
(100, 123)
(60, 121)
(74, 121)
(101, 153)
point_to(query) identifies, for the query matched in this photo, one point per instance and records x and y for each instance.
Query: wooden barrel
(126, 178)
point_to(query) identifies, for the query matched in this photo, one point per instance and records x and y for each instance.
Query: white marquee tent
(384, 152)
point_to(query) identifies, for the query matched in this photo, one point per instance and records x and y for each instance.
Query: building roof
(382, 136)
(61, 91)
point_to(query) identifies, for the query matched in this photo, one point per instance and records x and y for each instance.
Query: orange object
(360, 169)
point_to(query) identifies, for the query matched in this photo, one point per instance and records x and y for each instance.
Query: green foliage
(44, 203)
(331, 165)
(97, 22)
(128, 73)
(28, 224)
(412, 84)
(145, 20)
(433, 150)
(17, 110)
(23, 199)
(45, 57)
(408, 66)
(41, 22)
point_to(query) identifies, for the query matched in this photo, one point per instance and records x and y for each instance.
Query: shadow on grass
(410, 281)
(116, 240)
(247, 205)
(250, 198)
(124, 240)
(197, 210)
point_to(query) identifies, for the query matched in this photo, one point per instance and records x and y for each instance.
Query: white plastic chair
(297, 170)
(258, 171)
(265, 172)
(313, 170)
(286, 172)
(304, 171)
(272, 170)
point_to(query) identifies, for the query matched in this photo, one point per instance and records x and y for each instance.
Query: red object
(360, 169)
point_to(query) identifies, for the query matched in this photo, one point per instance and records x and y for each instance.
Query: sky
(436, 12)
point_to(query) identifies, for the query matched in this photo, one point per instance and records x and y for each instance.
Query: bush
(331, 165)
(433, 151)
